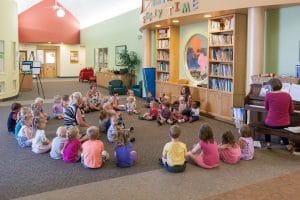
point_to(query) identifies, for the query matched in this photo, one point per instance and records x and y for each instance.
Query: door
(50, 64)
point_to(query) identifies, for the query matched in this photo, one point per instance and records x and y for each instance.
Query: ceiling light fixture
(60, 12)
(157, 25)
(175, 21)
(207, 16)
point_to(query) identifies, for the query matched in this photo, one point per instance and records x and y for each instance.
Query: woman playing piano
(279, 106)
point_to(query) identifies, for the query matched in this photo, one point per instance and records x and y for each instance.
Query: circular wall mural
(196, 58)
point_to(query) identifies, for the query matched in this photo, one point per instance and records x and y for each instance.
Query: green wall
(282, 40)
(120, 30)
(186, 32)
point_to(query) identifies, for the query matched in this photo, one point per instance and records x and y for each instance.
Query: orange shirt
(92, 153)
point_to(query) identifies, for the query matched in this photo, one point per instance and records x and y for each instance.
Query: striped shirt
(70, 115)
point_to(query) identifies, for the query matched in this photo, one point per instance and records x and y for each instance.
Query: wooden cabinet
(167, 54)
(103, 77)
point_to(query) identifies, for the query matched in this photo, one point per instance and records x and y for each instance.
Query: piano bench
(259, 128)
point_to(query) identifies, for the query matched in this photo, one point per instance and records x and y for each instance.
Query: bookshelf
(167, 54)
(227, 63)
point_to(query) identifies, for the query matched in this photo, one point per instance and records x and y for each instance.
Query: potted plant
(131, 60)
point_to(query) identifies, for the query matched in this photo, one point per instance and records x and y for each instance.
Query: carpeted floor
(24, 173)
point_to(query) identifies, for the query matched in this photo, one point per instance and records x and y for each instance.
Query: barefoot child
(246, 143)
(40, 144)
(58, 143)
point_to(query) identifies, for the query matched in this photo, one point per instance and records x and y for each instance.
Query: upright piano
(254, 105)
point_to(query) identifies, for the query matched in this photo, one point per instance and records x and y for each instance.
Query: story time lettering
(176, 6)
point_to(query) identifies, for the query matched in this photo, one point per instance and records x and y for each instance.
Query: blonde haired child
(246, 143)
(40, 144)
(72, 147)
(229, 150)
(131, 105)
(125, 156)
(93, 153)
(153, 112)
(112, 130)
(24, 111)
(57, 108)
(209, 155)
(25, 135)
(37, 108)
(103, 119)
(174, 152)
(58, 143)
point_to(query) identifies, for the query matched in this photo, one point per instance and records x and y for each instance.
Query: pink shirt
(92, 153)
(279, 106)
(231, 155)
(71, 151)
(210, 153)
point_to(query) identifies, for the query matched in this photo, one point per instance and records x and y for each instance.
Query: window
(101, 58)
(1, 56)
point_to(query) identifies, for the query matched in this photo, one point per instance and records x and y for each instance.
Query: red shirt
(279, 106)
(154, 112)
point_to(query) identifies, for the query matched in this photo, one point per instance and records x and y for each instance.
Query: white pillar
(147, 48)
(255, 43)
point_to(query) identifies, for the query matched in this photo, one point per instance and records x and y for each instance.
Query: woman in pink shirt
(279, 106)
(209, 156)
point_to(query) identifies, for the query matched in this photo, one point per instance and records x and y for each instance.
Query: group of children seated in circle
(77, 140)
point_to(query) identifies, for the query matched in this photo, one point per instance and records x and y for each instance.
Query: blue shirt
(123, 158)
(18, 127)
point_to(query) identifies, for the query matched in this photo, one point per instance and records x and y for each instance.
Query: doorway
(50, 64)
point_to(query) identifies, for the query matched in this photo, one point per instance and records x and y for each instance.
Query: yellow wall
(9, 34)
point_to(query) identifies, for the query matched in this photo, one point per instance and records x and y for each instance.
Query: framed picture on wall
(119, 50)
(74, 57)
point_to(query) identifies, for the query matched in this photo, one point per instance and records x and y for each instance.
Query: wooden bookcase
(227, 64)
(167, 54)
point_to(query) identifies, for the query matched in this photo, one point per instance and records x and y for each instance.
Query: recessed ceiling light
(49, 42)
(207, 16)
(175, 21)
(157, 25)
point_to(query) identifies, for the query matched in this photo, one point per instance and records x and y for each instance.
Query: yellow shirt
(175, 153)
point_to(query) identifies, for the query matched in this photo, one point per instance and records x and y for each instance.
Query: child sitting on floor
(40, 144)
(229, 150)
(93, 153)
(72, 147)
(37, 109)
(131, 106)
(25, 135)
(164, 115)
(246, 143)
(103, 118)
(174, 152)
(116, 104)
(125, 156)
(58, 143)
(65, 101)
(209, 156)
(24, 111)
(130, 94)
(149, 99)
(153, 112)
(57, 108)
(176, 114)
(112, 130)
(13, 117)
(195, 112)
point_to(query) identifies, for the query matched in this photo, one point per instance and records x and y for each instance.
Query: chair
(116, 86)
(138, 89)
(87, 74)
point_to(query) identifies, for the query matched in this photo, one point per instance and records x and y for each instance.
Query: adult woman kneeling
(73, 115)
(279, 106)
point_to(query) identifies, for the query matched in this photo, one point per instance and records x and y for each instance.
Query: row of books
(221, 84)
(224, 70)
(221, 39)
(163, 77)
(222, 54)
(163, 66)
(162, 55)
(222, 24)
(163, 44)
(163, 33)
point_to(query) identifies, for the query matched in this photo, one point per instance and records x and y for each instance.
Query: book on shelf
(163, 77)
(163, 44)
(221, 84)
(163, 33)
(225, 24)
(222, 54)
(220, 39)
(162, 55)
(163, 66)
(224, 70)
(215, 26)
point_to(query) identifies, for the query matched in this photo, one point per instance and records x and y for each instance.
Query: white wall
(64, 67)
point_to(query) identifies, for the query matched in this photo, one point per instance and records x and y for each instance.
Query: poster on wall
(197, 58)
(1, 55)
(74, 57)
(118, 51)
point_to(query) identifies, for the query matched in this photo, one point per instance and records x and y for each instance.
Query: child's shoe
(159, 123)
(141, 118)
(132, 139)
(160, 162)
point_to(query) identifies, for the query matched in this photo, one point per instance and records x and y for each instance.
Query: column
(147, 48)
(255, 43)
